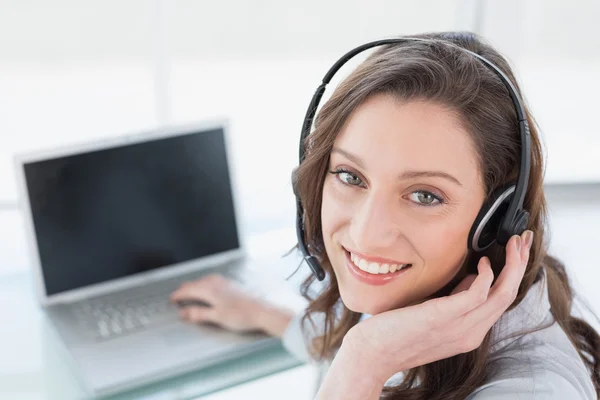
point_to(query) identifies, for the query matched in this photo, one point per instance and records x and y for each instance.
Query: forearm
(348, 379)
(271, 319)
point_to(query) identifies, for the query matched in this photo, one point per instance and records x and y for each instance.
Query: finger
(508, 281)
(199, 314)
(478, 291)
(525, 248)
(196, 291)
(518, 277)
(504, 291)
(454, 306)
(184, 286)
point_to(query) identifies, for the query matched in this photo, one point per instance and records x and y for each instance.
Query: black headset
(500, 217)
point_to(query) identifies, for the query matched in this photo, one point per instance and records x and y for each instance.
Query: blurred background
(78, 71)
(73, 71)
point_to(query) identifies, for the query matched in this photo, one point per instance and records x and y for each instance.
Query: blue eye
(347, 177)
(426, 198)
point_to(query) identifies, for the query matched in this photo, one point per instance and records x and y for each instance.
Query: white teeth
(362, 264)
(373, 267)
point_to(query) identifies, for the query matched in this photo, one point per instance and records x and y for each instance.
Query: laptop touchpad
(186, 334)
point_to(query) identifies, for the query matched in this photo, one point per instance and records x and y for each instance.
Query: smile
(374, 273)
(375, 267)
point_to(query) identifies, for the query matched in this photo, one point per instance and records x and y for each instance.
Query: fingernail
(528, 239)
(486, 262)
(518, 243)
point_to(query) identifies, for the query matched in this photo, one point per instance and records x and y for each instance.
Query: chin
(358, 305)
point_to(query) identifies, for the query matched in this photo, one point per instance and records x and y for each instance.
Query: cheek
(454, 236)
(335, 210)
(450, 245)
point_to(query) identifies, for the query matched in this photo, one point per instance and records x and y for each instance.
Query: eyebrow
(405, 174)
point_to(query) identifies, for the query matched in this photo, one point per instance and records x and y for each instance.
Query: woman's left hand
(408, 337)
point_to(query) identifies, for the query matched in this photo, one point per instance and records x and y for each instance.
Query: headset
(502, 214)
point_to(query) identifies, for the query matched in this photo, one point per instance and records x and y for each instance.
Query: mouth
(374, 273)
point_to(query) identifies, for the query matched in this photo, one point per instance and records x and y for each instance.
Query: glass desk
(34, 365)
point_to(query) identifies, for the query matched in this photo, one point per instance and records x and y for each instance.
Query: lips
(373, 278)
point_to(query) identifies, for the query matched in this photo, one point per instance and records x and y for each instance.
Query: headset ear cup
(485, 229)
(516, 227)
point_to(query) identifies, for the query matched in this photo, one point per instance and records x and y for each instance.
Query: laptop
(114, 227)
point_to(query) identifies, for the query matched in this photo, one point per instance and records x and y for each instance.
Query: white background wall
(73, 71)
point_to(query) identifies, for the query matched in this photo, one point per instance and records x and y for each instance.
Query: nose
(374, 226)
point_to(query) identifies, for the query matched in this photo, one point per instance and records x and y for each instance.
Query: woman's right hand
(229, 306)
(408, 337)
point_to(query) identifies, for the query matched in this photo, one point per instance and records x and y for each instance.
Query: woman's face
(403, 188)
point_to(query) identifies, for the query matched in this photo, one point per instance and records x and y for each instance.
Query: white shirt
(541, 365)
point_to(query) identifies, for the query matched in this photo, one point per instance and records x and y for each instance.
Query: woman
(403, 156)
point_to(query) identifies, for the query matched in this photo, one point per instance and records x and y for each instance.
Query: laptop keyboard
(135, 309)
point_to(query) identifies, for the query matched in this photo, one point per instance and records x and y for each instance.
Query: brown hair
(438, 71)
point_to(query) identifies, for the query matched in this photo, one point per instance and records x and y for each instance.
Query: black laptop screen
(116, 212)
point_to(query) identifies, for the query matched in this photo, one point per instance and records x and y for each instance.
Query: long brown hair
(440, 72)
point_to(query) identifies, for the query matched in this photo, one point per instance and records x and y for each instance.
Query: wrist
(358, 349)
(271, 319)
(350, 378)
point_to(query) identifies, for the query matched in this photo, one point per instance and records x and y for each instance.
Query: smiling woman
(405, 158)
(436, 286)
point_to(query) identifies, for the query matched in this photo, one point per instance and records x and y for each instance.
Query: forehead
(390, 134)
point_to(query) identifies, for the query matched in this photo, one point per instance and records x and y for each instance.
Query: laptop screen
(116, 212)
